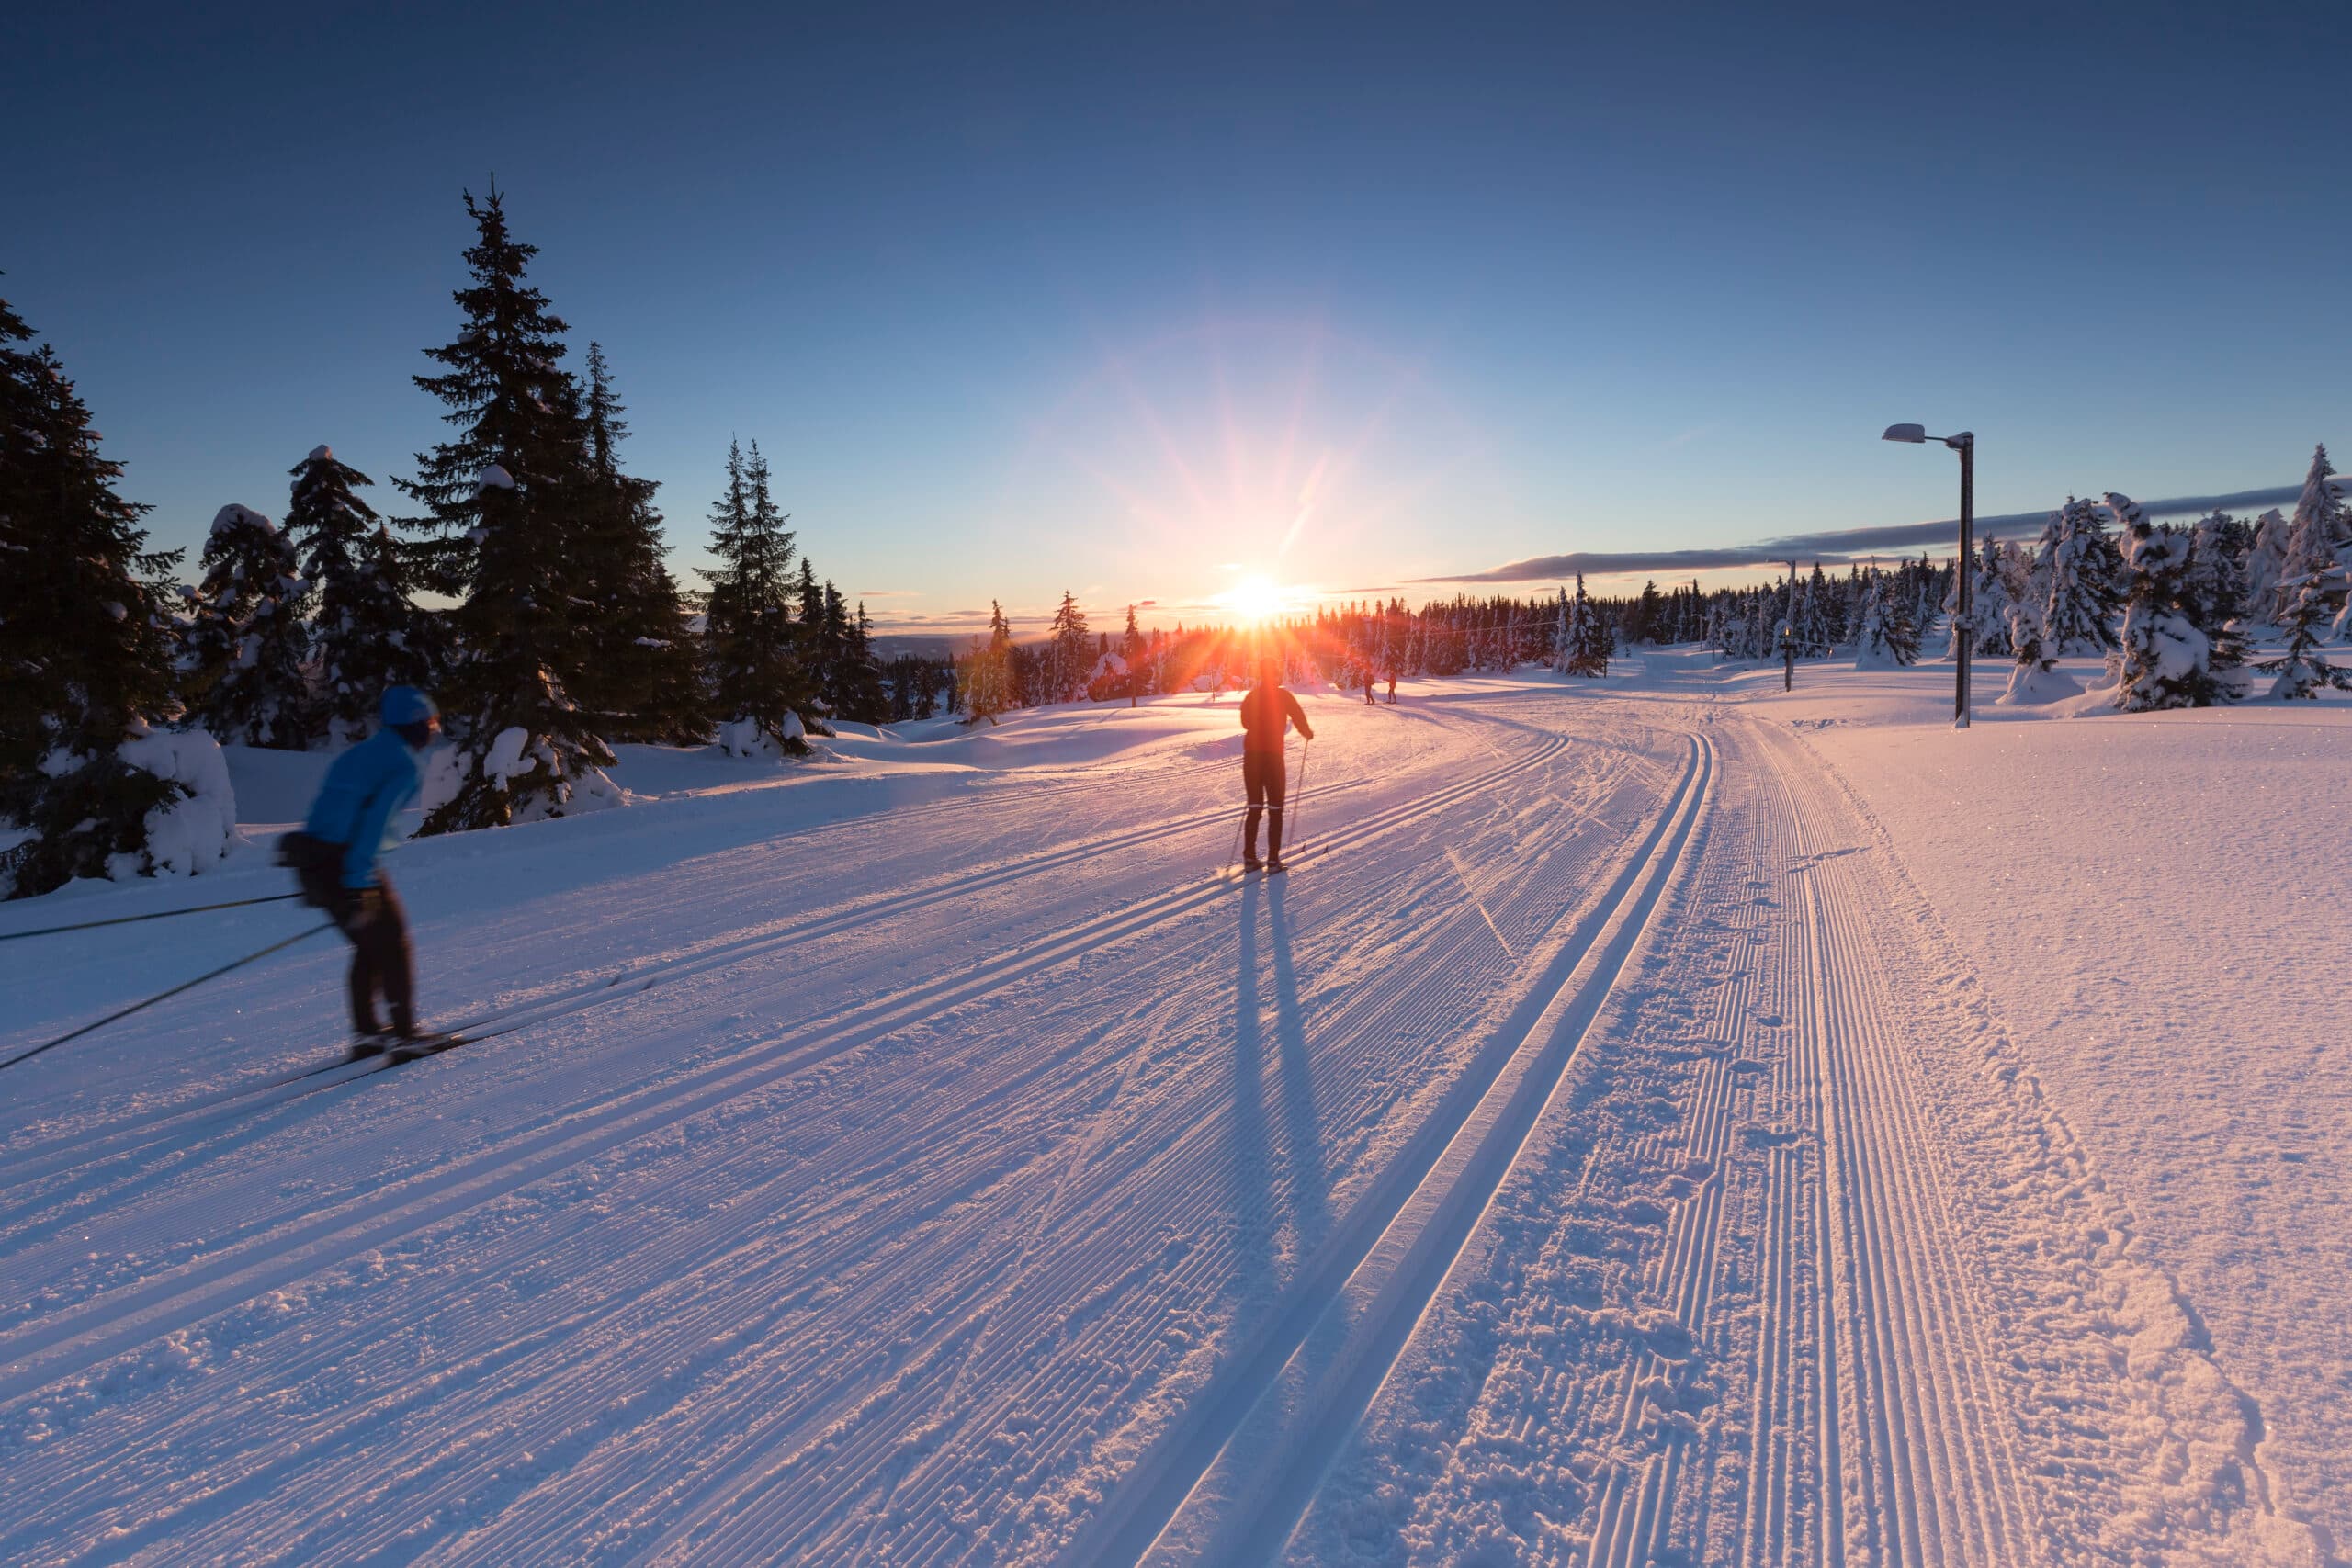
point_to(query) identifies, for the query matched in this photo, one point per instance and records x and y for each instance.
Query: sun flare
(1255, 599)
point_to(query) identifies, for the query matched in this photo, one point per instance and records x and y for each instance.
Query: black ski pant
(380, 961)
(1264, 776)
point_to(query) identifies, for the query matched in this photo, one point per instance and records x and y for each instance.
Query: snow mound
(320, 452)
(494, 476)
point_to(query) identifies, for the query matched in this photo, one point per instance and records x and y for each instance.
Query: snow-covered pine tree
(1563, 632)
(1590, 637)
(2031, 673)
(2301, 670)
(2213, 596)
(366, 636)
(2166, 658)
(1889, 638)
(2316, 535)
(506, 504)
(89, 783)
(242, 651)
(2265, 564)
(760, 684)
(1989, 602)
(644, 678)
(2081, 574)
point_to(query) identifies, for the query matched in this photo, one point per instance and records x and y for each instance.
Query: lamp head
(1914, 434)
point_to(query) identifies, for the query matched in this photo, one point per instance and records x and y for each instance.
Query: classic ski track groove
(105, 1325)
(1874, 1429)
(1425, 1204)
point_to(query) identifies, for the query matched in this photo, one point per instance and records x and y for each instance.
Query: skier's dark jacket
(365, 789)
(1262, 713)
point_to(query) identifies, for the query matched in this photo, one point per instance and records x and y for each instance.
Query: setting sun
(1255, 599)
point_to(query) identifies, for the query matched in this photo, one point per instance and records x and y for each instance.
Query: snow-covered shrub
(2033, 677)
(159, 804)
(517, 777)
(750, 737)
(193, 830)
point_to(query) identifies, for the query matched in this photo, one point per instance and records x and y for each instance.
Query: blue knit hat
(406, 705)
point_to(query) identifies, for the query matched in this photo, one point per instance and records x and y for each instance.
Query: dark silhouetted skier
(1265, 711)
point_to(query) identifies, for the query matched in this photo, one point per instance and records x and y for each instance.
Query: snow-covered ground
(1663, 1120)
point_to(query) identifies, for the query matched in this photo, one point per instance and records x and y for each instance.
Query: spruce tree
(506, 504)
(366, 635)
(2213, 594)
(2301, 670)
(755, 654)
(1588, 635)
(987, 673)
(246, 643)
(2265, 564)
(862, 695)
(1989, 601)
(2167, 657)
(1068, 650)
(1889, 636)
(2316, 535)
(86, 655)
(644, 678)
(2078, 572)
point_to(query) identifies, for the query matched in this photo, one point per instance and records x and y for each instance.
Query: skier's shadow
(1308, 1187)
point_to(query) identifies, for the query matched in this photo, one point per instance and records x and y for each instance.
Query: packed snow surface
(1659, 1120)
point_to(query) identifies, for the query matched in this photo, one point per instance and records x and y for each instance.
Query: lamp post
(1964, 630)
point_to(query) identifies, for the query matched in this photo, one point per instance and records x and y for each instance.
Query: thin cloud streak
(1841, 547)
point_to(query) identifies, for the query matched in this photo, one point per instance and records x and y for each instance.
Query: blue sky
(1133, 304)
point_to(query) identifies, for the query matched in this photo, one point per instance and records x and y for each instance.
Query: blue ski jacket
(363, 790)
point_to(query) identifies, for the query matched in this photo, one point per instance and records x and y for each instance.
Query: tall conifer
(643, 678)
(85, 659)
(505, 504)
(756, 650)
(366, 635)
(246, 643)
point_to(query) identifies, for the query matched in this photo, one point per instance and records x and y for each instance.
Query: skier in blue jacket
(348, 829)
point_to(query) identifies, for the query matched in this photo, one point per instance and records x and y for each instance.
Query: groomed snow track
(1597, 1158)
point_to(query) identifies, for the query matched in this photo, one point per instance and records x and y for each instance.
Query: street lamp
(1962, 631)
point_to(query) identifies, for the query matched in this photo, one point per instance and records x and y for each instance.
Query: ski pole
(164, 996)
(1305, 749)
(158, 915)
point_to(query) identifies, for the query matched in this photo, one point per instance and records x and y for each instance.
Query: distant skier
(1367, 686)
(1392, 688)
(335, 856)
(1268, 707)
